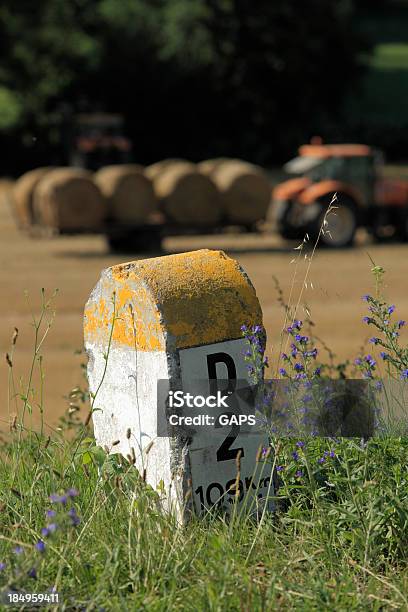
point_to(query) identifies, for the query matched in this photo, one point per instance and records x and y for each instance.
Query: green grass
(339, 539)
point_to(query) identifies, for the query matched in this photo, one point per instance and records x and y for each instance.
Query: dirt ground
(335, 284)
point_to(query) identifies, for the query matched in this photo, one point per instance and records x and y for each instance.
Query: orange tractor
(364, 197)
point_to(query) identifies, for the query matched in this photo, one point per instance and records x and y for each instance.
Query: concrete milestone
(176, 321)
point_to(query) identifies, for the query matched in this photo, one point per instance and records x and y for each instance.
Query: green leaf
(86, 458)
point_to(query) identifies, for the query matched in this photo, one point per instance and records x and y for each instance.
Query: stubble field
(332, 292)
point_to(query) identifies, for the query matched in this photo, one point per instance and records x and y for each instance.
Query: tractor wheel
(282, 217)
(338, 226)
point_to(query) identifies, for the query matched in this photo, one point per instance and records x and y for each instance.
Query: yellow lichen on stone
(190, 299)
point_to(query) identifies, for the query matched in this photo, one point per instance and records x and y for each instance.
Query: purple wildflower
(299, 474)
(73, 516)
(295, 455)
(280, 468)
(358, 361)
(332, 454)
(374, 340)
(18, 550)
(300, 444)
(58, 499)
(45, 532)
(317, 371)
(32, 573)
(391, 309)
(384, 355)
(401, 323)
(284, 356)
(40, 546)
(282, 372)
(371, 362)
(50, 513)
(404, 374)
(368, 320)
(300, 376)
(366, 297)
(321, 460)
(302, 339)
(299, 367)
(2, 566)
(244, 328)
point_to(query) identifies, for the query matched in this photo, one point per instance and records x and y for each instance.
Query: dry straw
(208, 166)
(129, 193)
(245, 189)
(23, 196)
(186, 196)
(157, 168)
(67, 200)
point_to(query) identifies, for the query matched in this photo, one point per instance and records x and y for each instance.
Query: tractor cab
(319, 172)
(355, 165)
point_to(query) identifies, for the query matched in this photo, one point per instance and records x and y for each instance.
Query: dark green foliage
(193, 78)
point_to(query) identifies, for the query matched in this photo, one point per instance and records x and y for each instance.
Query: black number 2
(225, 452)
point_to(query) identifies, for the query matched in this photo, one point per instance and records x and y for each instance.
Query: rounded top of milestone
(171, 302)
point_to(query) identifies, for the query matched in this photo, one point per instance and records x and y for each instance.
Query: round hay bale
(6, 184)
(23, 196)
(186, 196)
(155, 169)
(208, 166)
(129, 193)
(245, 191)
(67, 200)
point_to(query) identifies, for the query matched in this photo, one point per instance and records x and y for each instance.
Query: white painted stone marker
(177, 318)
